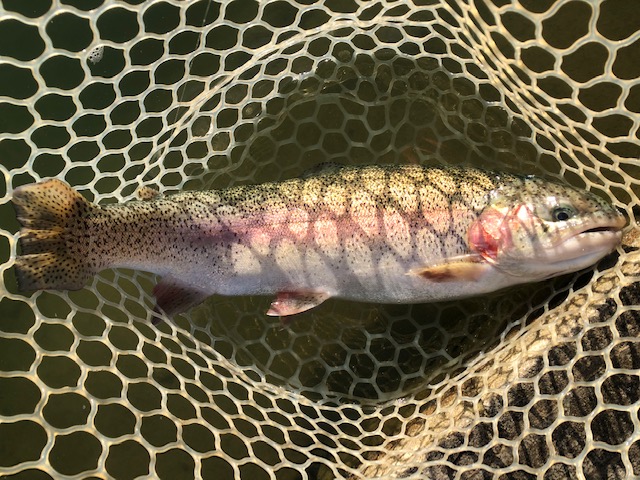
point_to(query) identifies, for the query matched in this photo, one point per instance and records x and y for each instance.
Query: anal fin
(458, 269)
(174, 297)
(292, 302)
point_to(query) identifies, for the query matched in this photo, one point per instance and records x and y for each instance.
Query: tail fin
(53, 239)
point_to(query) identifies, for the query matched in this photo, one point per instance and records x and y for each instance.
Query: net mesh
(538, 382)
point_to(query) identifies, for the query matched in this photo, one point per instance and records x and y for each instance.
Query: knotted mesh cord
(537, 383)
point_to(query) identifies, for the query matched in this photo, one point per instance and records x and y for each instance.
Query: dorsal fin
(146, 192)
(322, 168)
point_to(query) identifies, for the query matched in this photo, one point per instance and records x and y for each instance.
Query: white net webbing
(540, 382)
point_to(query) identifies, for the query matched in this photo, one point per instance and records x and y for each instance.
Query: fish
(374, 233)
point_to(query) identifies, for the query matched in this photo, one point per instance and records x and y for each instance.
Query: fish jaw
(581, 251)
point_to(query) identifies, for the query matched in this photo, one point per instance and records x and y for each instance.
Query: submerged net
(537, 382)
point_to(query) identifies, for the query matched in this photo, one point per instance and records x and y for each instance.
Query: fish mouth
(605, 236)
(595, 240)
(594, 237)
(586, 247)
(600, 229)
(609, 230)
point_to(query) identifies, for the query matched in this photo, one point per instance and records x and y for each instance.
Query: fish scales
(391, 234)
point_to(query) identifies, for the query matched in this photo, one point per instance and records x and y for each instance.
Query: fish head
(538, 229)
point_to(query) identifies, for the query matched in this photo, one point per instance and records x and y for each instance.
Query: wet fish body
(387, 234)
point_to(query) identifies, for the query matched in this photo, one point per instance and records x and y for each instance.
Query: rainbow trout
(386, 234)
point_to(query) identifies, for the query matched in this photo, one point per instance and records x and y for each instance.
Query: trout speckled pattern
(387, 234)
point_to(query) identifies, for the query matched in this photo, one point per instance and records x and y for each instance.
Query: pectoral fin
(292, 302)
(458, 269)
(175, 297)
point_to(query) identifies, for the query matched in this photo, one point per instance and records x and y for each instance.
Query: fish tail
(54, 237)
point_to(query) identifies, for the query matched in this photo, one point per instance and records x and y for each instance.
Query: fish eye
(562, 213)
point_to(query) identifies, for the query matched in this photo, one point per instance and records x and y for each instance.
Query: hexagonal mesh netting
(538, 382)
